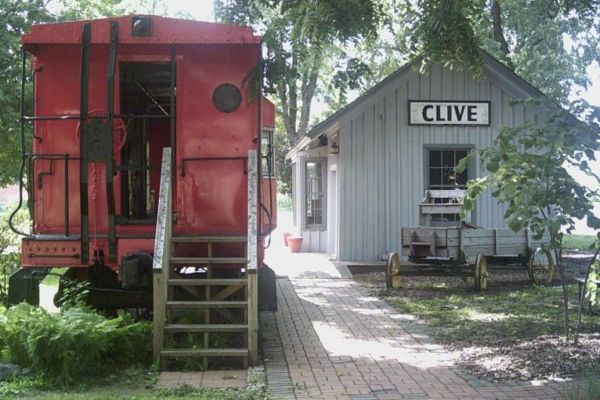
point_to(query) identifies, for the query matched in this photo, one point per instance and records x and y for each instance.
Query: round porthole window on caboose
(227, 98)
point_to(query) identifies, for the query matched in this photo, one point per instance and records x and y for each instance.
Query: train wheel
(392, 271)
(481, 273)
(541, 267)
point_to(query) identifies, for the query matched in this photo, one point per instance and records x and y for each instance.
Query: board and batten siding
(381, 160)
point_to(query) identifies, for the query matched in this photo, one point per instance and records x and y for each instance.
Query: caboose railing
(252, 252)
(162, 249)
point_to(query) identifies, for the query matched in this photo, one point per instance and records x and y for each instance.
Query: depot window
(440, 164)
(314, 196)
(441, 169)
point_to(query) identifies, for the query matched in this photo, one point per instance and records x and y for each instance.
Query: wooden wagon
(462, 249)
(470, 253)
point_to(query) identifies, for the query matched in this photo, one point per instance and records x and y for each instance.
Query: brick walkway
(330, 340)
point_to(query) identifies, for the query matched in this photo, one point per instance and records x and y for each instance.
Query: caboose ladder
(205, 289)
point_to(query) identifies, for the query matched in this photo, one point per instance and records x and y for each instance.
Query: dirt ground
(527, 345)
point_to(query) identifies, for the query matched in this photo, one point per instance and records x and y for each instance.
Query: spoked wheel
(481, 273)
(392, 271)
(541, 267)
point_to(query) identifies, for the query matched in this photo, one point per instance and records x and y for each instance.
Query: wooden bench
(580, 283)
(436, 202)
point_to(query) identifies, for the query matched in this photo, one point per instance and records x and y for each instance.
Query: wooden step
(206, 304)
(208, 260)
(206, 328)
(204, 353)
(207, 282)
(209, 239)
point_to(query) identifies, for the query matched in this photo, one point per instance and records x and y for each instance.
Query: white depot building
(359, 176)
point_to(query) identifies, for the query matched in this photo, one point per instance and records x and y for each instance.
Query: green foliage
(9, 250)
(549, 43)
(444, 33)
(73, 343)
(527, 170)
(16, 17)
(536, 32)
(283, 169)
(74, 293)
(303, 38)
(89, 9)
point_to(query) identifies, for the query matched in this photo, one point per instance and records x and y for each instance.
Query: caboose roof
(164, 31)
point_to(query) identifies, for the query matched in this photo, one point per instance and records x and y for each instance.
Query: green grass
(134, 384)
(482, 319)
(579, 241)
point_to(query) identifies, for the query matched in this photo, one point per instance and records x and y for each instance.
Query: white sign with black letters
(449, 112)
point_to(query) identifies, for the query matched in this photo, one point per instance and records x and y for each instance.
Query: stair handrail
(252, 253)
(162, 248)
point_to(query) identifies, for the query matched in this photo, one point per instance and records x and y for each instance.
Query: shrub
(73, 343)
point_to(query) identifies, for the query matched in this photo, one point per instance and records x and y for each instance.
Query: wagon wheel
(541, 267)
(392, 271)
(481, 273)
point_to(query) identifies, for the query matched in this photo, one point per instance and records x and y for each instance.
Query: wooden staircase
(205, 291)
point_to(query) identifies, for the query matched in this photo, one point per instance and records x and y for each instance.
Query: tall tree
(15, 18)
(301, 37)
(550, 43)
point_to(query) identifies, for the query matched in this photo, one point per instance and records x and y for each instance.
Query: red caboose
(109, 96)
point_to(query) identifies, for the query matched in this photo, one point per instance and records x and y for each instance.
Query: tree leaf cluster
(526, 169)
(16, 18)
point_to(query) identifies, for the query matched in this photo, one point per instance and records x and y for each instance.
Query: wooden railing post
(162, 248)
(252, 267)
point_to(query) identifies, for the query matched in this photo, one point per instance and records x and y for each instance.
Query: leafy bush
(9, 249)
(75, 342)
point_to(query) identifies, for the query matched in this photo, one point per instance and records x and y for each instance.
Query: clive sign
(449, 112)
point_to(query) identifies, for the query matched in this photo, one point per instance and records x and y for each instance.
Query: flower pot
(295, 243)
(286, 235)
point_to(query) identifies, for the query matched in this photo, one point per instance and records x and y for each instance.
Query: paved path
(330, 340)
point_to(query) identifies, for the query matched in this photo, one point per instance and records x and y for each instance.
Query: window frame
(323, 224)
(471, 173)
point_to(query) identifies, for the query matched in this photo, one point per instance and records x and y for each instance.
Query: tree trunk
(582, 296)
(499, 33)
(308, 91)
(563, 283)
